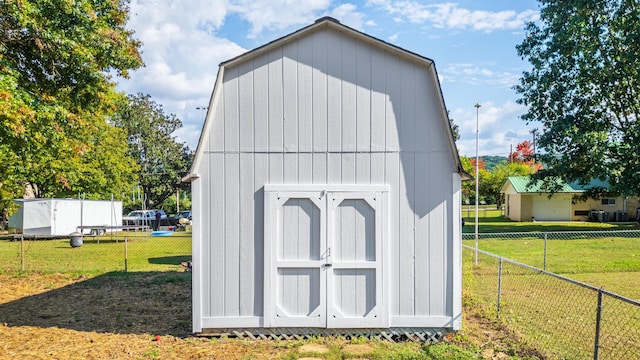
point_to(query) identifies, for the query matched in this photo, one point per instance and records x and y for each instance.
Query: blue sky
(472, 43)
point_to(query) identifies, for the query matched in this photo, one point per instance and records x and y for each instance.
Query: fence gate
(324, 257)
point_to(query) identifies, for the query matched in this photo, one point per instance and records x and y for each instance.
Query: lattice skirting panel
(427, 335)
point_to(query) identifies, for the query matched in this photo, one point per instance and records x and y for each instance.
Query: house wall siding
(326, 109)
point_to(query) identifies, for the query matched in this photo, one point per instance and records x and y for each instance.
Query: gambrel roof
(320, 25)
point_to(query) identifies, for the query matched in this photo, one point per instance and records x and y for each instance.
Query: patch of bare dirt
(148, 316)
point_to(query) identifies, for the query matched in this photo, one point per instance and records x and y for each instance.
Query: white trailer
(64, 216)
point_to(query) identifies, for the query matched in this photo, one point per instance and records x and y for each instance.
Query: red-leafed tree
(525, 154)
(481, 165)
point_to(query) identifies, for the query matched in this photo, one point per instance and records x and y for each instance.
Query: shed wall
(326, 109)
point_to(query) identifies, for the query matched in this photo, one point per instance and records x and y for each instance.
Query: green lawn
(550, 313)
(98, 255)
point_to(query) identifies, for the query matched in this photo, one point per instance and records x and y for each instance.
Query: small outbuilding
(61, 217)
(525, 200)
(326, 192)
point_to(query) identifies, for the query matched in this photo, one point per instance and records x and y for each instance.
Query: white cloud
(499, 128)
(278, 14)
(480, 74)
(451, 16)
(348, 15)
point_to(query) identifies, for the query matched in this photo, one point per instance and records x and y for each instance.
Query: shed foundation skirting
(393, 334)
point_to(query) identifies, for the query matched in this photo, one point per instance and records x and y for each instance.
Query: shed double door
(324, 258)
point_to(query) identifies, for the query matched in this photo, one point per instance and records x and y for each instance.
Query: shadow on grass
(170, 260)
(117, 302)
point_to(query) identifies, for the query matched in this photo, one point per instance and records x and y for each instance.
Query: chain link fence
(547, 250)
(134, 251)
(566, 319)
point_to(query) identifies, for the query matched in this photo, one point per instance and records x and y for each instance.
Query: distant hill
(490, 162)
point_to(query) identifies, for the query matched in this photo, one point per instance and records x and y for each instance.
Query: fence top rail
(572, 232)
(557, 276)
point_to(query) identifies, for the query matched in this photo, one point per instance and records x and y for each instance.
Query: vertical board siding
(232, 235)
(290, 96)
(261, 103)
(363, 97)
(245, 106)
(334, 93)
(379, 100)
(231, 111)
(275, 95)
(261, 177)
(216, 251)
(349, 83)
(327, 109)
(305, 96)
(423, 257)
(247, 255)
(319, 91)
(407, 238)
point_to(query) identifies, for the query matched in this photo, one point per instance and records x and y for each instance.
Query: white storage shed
(326, 192)
(61, 217)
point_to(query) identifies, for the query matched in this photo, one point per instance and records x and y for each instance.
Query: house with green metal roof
(525, 200)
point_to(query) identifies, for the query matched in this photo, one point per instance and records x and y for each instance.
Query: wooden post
(126, 266)
(22, 252)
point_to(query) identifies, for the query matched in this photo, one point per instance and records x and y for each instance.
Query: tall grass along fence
(565, 318)
(111, 251)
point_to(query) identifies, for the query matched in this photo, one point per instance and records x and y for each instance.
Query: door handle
(328, 265)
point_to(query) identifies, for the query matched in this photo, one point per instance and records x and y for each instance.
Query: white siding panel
(334, 168)
(290, 96)
(363, 168)
(407, 121)
(232, 235)
(334, 93)
(379, 100)
(392, 178)
(247, 232)
(261, 177)
(423, 114)
(199, 244)
(305, 94)
(393, 103)
(319, 168)
(245, 108)
(406, 224)
(261, 103)
(424, 220)
(290, 168)
(276, 123)
(363, 97)
(305, 168)
(216, 135)
(377, 172)
(231, 115)
(215, 254)
(349, 168)
(349, 84)
(438, 136)
(276, 168)
(437, 271)
(319, 79)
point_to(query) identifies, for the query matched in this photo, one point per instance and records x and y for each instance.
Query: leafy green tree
(161, 159)
(584, 88)
(493, 181)
(56, 94)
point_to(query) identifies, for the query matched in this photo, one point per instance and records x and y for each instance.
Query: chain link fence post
(499, 285)
(546, 235)
(596, 343)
